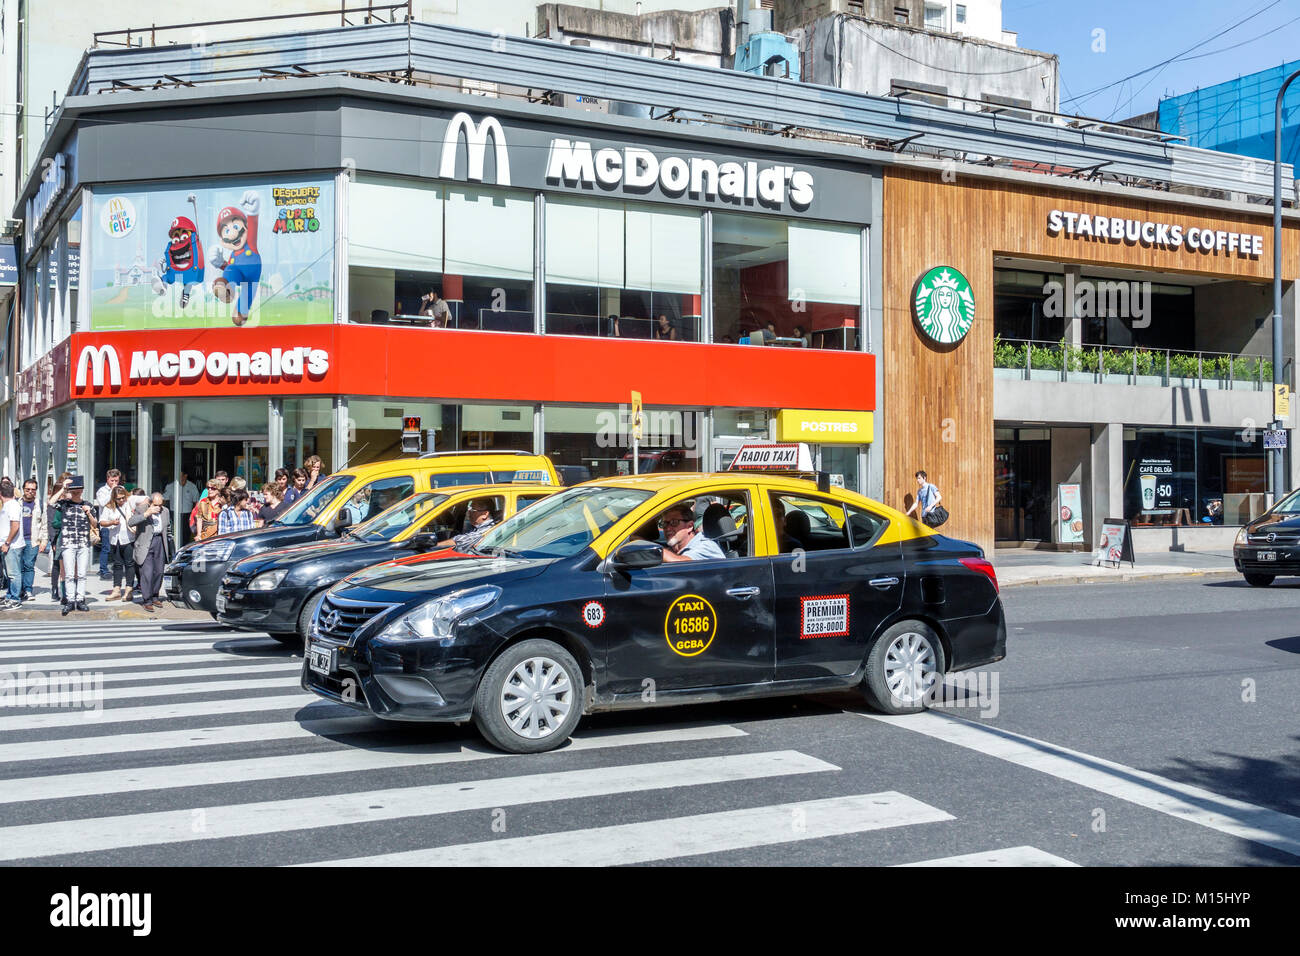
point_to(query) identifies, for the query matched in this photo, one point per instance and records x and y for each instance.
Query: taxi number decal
(690, 625)
(825, 615)
(593, 614)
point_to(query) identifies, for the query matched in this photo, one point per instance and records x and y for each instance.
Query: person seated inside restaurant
(684, 541)
(665, 329)
(434, 308)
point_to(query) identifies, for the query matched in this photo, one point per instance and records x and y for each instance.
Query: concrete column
(274, 436)
(1071, 464)
(144, 446)
(84, 419)
(1107, 492)
(339, 452)
(1073, 324)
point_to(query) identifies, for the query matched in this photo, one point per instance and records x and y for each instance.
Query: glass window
(961, 13)
(615, 269)
(865, 527)
(307, 508)
(374, 498)
(1193, 476)
(934, 17)
(489, 258)
(586, 442)
(375, 432)
(841, 462)
(308, 430)
(391, 523)
(115, 443)
(565, 523)
(456, 479)
(796, 284)
(227, 416)
(809, 524)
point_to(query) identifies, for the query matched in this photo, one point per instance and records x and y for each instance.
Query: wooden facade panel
(938, 401)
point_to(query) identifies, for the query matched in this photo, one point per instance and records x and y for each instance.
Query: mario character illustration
(237, 257)
(182, 261)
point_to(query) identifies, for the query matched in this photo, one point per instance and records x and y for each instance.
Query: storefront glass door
(1022, 469)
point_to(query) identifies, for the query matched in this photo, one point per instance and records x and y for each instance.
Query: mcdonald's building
(238, 275)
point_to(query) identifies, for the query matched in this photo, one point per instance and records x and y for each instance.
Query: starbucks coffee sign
(943, 305)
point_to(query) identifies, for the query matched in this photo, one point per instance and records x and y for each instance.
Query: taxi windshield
(307, 508)
(389, 524)
(563, 525)
(1290, 505)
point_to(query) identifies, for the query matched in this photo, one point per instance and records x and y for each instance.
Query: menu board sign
(1070, 516)
(1116, 542)
(1157, 484)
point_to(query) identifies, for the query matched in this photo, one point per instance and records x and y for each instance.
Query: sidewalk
(1021, 566)
(43, 608)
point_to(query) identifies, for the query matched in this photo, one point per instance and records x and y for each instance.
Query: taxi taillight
(983, 567)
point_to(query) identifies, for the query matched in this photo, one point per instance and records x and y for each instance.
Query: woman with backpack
(927, 500)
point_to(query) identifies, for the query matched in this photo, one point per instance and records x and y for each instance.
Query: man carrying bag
(932, 513)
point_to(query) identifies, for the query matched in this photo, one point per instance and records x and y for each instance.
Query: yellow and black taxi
(277, 591)
(1269, 546)
(345, 498)
(650, 590)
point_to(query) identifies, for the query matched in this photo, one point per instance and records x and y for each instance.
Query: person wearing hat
(237, 256)
(78, 519)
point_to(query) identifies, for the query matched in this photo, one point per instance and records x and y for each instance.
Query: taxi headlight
(437, 619)
(268, 580)
(1241, 536)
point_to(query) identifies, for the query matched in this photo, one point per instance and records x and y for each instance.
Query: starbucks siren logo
(944, 305)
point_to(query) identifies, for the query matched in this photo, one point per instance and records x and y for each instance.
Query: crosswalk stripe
(94, 783)
(244, 643)
(1011, 856)
(1183, 801)
(72, 747)
(676, 837)
(279, 816)
(119, 715)
(252, 667)
(115, 639)
(100, 663)
(164, 690)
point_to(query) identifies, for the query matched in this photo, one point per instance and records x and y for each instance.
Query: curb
(1120, 576)
(54, 613)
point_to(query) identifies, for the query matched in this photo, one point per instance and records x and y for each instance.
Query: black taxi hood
(1274, 522)
(299, 554)
(395, 582)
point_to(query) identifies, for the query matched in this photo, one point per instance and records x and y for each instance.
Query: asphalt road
(1115, 733)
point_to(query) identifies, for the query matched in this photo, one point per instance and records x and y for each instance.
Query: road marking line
(228, 670)
(164, 690)
(278, 816)
(287, 729)
(119, 715)
(1234, 817)
(676, 837)
(119, 662)
(117, 639)
(1011, 856)
(243, 644)
(348, 760)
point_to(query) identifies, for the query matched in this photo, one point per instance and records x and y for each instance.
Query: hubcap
(536, 697)
(910, 668)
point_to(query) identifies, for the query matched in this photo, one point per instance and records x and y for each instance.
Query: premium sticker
(825, 615)
(690, 625)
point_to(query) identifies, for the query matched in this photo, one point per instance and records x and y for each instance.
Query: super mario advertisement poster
(213, 256)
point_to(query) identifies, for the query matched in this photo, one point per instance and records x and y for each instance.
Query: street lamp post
(1279, 481)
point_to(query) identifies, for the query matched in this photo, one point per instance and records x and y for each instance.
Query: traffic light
(411, 435)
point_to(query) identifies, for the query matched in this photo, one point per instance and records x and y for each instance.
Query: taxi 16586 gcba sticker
(690, 625)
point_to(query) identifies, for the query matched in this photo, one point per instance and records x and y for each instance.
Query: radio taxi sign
(789, 456)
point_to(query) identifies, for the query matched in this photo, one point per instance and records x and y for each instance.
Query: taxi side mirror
(635, 554)
(425, 541)
(340, 522)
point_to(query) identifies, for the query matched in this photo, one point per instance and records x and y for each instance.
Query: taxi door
(692, 624)
(834, 584)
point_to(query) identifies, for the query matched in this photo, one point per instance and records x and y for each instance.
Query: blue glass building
(1237, 116)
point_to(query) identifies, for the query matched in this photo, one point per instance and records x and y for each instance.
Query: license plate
(320, 658)
(221, 603)
(169, 582)
(1267, 555)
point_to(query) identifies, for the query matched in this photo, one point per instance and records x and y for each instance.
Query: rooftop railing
(1060, 361)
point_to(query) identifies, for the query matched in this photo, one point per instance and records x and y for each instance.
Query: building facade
(238, 275)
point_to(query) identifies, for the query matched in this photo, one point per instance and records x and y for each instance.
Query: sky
(1136, 35)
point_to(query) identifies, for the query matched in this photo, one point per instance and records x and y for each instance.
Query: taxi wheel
(904, 668)
(530, 698)
(1259, 580)
(308, 612)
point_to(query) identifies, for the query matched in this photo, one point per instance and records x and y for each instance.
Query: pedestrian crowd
(131, 528)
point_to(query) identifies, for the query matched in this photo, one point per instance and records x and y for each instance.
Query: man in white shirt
(12, 544)
(182, 498)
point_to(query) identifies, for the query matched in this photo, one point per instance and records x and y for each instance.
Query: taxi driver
(682, 541)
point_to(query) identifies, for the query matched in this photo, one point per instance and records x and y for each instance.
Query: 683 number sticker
(690, 625)
(593, 614)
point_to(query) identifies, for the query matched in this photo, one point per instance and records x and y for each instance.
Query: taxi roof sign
(773, 456)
